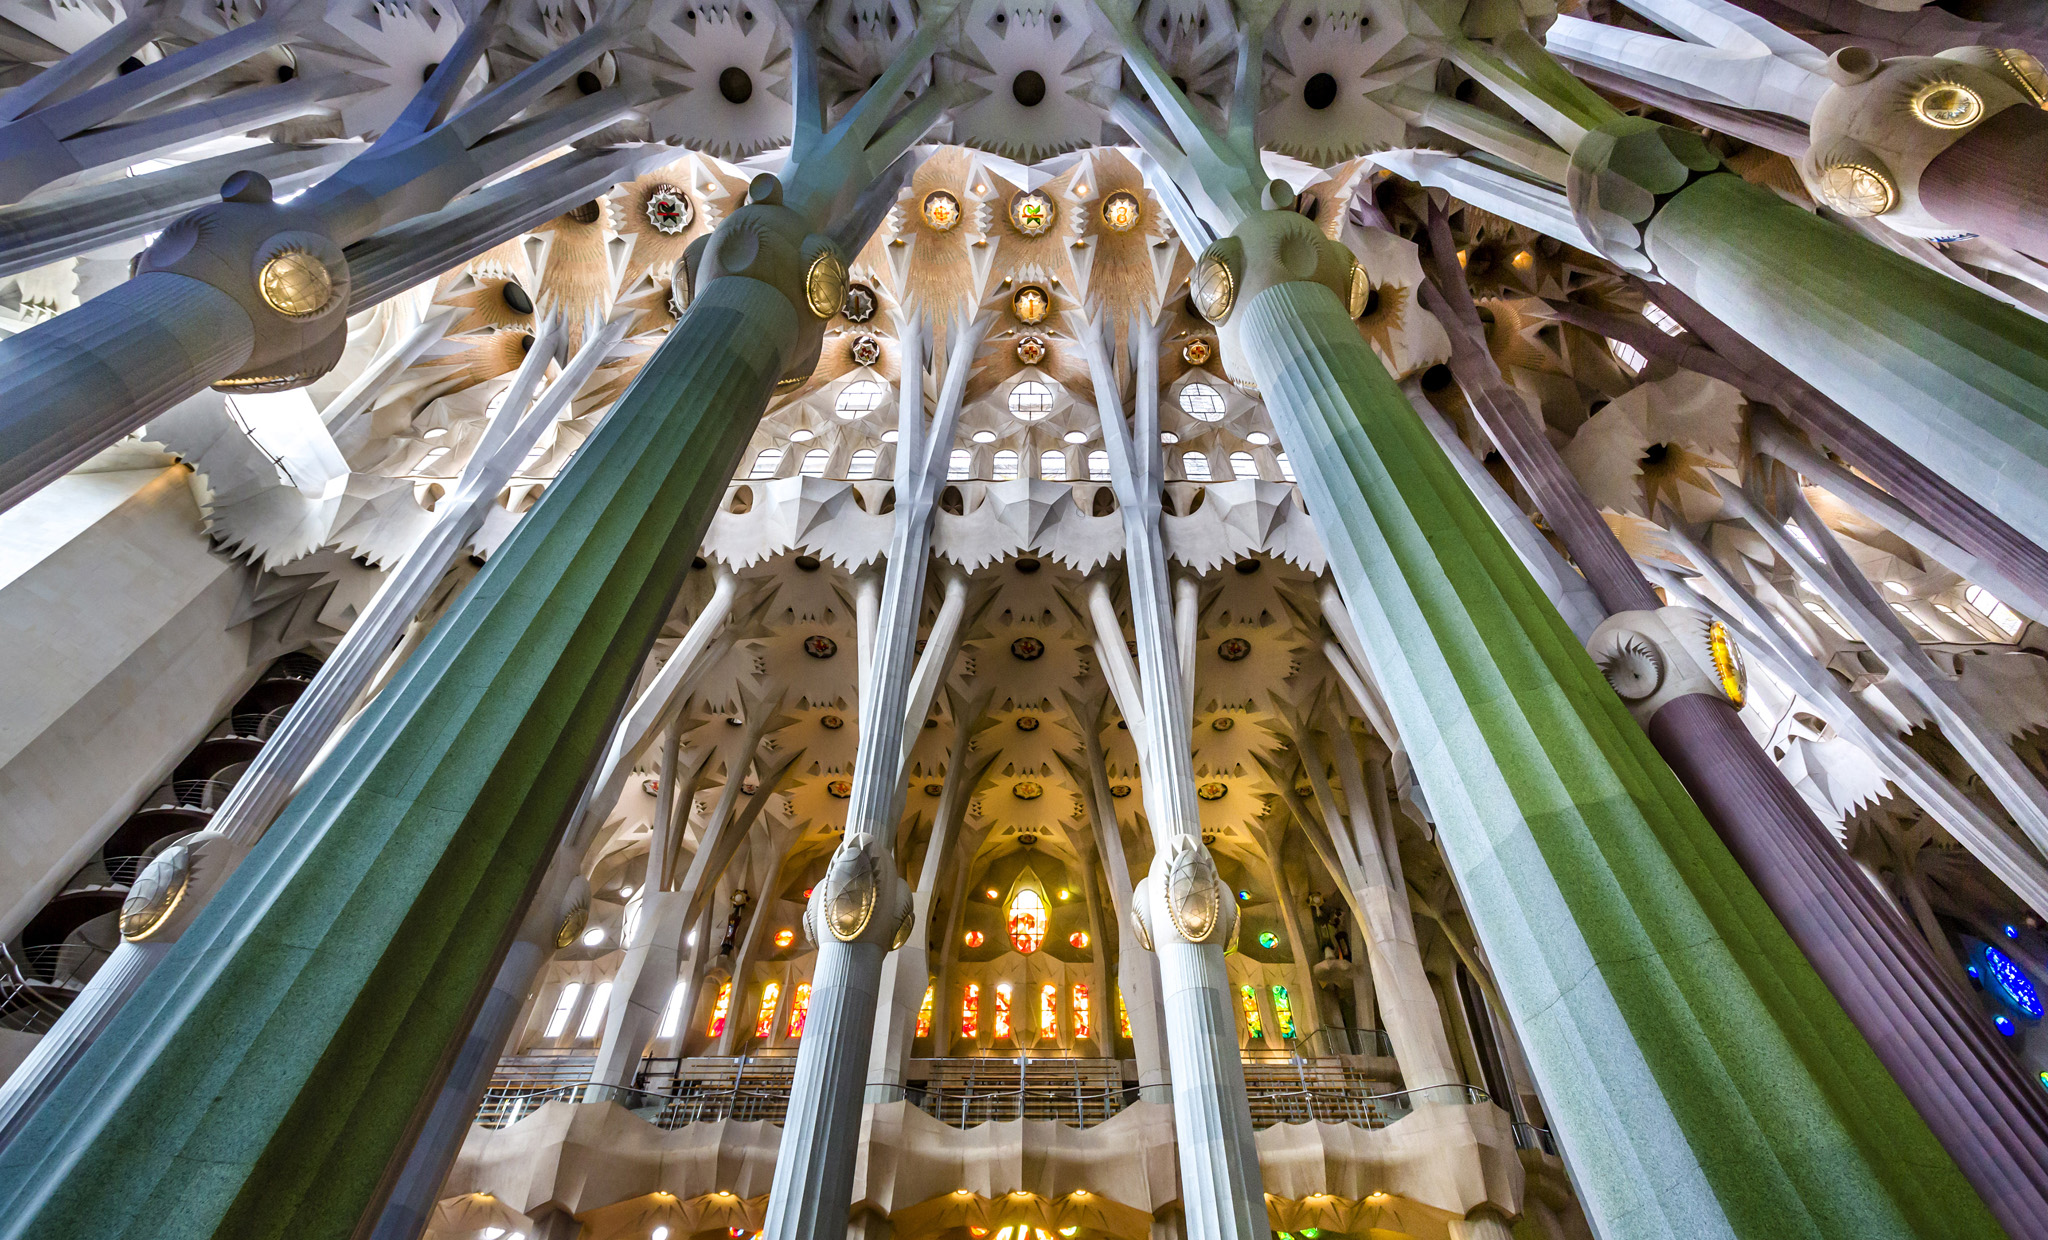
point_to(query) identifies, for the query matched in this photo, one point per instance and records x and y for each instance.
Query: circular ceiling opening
(735, 85)
(1028, 88)
(1320, 91)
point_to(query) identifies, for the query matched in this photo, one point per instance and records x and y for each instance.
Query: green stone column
(1702, 1079)
(1955, 379)
(263, 1080)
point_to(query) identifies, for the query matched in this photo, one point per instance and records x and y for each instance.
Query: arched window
(799, 1008)
(970, 1011)
(1007, 465)
(1098, 466)
(1030, 400)
(1286, 467)
(862, 464)
(958, 464)
(814, 463)
(565, 1006)
(2007, 620)
(1052, 466)
(859, 399)
(719, 1011)
(771, 995)
(1048, 1010)
(1002, 1029)
(924, 1011)
(1028, 920)
(1081, 1029)
(1243, 466)
(1248, 998)
(593, 1016)
(766, 463)
(1194, 466)
(1199, 400)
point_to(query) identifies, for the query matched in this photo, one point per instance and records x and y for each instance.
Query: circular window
(1199, 400)
(859, 398)
(1031, 400)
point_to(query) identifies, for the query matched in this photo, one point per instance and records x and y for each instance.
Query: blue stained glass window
(2013, 985)
(2005, 1025)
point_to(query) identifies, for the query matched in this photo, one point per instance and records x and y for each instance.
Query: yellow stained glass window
(1002, 1009)
(771, 994)
(970, 1011)
(1081, 1010)
(719, 1009)
(924, 1011)
(799, 1007)
(1028, 921)
(1123, 1015)
(1283, 1012)
(1252, 1023)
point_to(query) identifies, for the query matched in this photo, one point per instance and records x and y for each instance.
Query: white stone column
(906, 972)
(1182, 906)
(862, 908)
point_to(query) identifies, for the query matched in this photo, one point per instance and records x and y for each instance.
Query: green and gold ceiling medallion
(1032, 213)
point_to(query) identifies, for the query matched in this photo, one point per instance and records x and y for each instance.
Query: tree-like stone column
(346, 955)
(1690, 1053)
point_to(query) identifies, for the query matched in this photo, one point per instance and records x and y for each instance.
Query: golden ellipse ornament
(156, 893)
(1858, 189)
(1121, 211)
(1947, 105)
(1358, 292)
(825, 284)
(1727, 659)
(1213, 287)
(295, 283)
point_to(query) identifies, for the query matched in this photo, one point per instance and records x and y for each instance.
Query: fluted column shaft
(346, 953)
(1950, 376)
(83, 379)
(1928, 1034)
(1689, 1050)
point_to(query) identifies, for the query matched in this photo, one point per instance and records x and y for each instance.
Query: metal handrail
(1530, 1137)
(61, 964)
(202, 794)
(1332, 1041)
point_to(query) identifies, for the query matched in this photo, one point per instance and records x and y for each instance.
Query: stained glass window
(771, 995)
(1252, 1023)
(1081, 1010)
(799, 1007)
(1283, 1012)
(1048, 1011)
(924, 1011)
(1002, 1009)
(1028, 921)
(719, 1008)
(2013, 985)
(970, 1011)
(1123, 1016)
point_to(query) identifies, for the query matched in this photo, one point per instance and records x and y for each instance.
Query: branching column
(1182, 905)
(862, 908)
